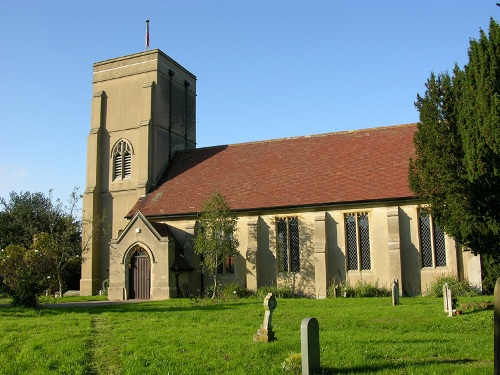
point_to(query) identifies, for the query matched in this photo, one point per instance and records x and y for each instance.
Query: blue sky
(265, 69)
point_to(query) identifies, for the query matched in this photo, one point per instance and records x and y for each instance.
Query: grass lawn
(181, 336)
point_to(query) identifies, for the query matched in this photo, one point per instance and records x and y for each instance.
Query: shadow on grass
(472, 312)
(118, 306)
(394, 366)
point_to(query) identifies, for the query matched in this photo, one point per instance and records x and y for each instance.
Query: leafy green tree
(456, 169)
(216, 239)
(25, 273)
(27, 217)
(23, 216)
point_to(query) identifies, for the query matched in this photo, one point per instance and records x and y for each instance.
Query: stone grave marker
(265, 332)
(445, 297)
(449, 301)
(395, 293)
(309, 338)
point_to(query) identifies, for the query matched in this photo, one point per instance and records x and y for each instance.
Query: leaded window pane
(351, 238)
(294, 245)
(426, 241)
(364, 241)
(288, 244)
(282, 242)
(439, 247)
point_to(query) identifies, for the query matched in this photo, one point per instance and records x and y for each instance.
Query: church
(313, 211)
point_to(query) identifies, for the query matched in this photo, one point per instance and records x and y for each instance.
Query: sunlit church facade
(313, 211)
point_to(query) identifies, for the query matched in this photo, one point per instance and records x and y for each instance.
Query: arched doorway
(139, 274)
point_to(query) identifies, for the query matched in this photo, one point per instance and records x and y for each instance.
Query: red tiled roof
(350, 166)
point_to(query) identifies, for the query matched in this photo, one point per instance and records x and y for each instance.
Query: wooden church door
(139, 277)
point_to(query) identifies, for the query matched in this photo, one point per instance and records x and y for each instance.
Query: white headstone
(450, 303)
(309, 338)
(445, 297)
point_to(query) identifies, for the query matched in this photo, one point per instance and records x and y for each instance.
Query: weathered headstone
(395, 293)
(496, 320)
(450, 303)
(309, 337)
(265, 332)
(445, 297)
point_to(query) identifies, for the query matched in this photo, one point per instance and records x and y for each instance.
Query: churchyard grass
(183, 336)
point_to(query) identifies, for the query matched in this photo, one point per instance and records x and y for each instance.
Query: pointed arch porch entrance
(139, 274)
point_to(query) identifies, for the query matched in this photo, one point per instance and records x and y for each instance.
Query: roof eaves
(195, 215)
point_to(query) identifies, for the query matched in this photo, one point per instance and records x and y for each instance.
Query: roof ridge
(340, 132)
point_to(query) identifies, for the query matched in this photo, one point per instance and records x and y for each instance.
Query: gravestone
(309, 338)
(445, 297)
(448, 301)
(395, 293)
(496, 323)
(265, 332)
(450, 304)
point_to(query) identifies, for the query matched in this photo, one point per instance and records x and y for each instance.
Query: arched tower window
(122, 160)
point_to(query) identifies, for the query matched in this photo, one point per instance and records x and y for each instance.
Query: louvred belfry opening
(122, 161)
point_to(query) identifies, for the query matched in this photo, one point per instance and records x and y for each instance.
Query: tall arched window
(122, 161)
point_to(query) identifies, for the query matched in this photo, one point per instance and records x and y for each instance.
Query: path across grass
(181, 336)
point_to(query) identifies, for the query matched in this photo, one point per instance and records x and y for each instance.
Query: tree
(25, 273)
(33, 218)
(23, 216)
(216, 239)
(456, 169)
(62, 243)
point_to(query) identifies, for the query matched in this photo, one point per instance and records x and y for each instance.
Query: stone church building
(312, 210)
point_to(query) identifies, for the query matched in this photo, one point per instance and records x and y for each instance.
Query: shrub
(458, 287)
(282, 291)
(334, 288)
(234, 290)
(361, 289)
(366, 289)
(227, 291)
(25, 274)
(209, 291)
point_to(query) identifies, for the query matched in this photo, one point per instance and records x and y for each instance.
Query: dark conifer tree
(456, 169)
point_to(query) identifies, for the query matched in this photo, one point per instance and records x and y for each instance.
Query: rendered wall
(148, 100)
(394, 250)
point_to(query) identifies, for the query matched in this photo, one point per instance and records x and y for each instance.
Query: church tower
(143, 111)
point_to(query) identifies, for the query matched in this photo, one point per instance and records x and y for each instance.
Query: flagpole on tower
(147, 35)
